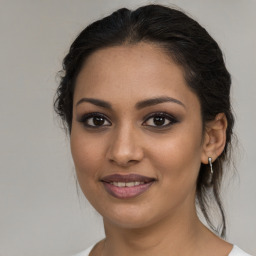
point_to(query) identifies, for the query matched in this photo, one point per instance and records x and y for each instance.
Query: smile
(126, 186)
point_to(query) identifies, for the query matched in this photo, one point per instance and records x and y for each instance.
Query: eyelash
(84, 119)
(172, 120)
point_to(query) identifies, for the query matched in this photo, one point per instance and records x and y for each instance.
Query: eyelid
(85, 117)
(170, 117)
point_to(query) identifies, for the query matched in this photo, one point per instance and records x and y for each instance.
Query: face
(136, 136)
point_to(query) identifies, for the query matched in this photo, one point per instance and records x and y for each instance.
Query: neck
(170, 236)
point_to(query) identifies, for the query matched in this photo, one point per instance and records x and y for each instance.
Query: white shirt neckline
(236, 251)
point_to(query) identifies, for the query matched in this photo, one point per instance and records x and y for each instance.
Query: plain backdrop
(40, 211)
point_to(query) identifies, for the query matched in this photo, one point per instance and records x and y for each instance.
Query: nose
(125, 149)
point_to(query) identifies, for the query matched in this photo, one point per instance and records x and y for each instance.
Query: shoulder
(85, 252)
(236, 251)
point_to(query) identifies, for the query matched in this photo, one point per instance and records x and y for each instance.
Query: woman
(145, 99)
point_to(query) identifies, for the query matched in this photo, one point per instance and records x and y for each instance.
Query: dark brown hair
(191, 47)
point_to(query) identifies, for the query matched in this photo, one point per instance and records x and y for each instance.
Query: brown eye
(95, 120)
(160, 120)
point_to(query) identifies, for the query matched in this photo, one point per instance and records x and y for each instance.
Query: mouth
(126, 186)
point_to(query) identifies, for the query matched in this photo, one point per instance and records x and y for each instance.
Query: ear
(214, 138)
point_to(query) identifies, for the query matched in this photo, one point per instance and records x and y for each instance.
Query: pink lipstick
(126, 186)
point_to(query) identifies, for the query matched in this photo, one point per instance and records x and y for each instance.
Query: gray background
(41, 213)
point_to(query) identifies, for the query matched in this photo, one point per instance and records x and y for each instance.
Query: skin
(162, 220)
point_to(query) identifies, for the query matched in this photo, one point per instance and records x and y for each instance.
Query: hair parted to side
(191, 47)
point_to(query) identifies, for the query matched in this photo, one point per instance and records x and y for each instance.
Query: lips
(127, 186)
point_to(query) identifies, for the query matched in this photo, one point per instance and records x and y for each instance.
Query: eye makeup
(155, 120)
(160, 120)
(94, 120)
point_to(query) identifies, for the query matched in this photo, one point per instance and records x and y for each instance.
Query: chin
(129, 217)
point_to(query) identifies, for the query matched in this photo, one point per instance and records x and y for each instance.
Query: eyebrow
(139, 105)
(157, 100)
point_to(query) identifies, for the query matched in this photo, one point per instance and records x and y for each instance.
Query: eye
(160, 120)
(94, 120)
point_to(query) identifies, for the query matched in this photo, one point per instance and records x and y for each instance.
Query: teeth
(130, 184)
(121, 184)
(118, 184)
(127, 184)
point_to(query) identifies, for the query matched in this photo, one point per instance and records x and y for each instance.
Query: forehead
(131, 71)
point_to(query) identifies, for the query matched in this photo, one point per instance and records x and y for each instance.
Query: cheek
(177, 165)
(87, 156)
(178, 157)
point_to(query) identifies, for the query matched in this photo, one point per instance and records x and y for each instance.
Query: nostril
(125, 156)
(123, 163)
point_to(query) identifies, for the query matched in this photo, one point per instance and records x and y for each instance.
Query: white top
(236, 251)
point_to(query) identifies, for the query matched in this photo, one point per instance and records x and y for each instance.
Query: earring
(210, 163)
